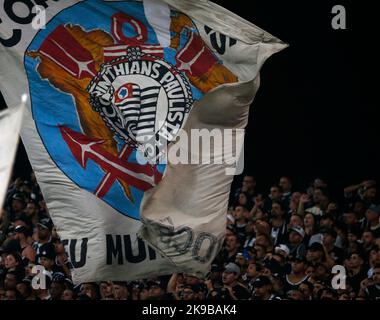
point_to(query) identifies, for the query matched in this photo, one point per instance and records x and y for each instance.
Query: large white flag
(10, 125)
(107, 81)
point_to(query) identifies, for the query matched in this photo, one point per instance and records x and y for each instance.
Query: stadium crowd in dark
(283, 244)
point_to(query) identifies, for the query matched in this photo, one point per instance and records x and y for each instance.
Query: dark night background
(315, 112)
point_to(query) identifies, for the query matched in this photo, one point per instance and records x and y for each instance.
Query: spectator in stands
(297, 274)
(372, 216)
(278, 222)
(286, 185)
(27, 251)
(120, 290)
(372, 288)
(44, 229)
(236, 290)
(296, 245)
(248, 186)
(283, 247)
(262, 289)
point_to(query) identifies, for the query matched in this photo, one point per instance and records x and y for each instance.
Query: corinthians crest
(141, 97)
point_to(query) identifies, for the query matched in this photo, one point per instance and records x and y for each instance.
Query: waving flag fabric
(10, 125)
(108, 79)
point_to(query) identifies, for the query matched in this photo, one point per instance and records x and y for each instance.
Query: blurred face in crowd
(321, 272)
(351, 237)
(2, 294)
(23, 289)
(188, 294)
(229, 233)
(238, 213)
(259, 214)
(296, 196)
(295, 295)
(10, 262)
(252, 271)
(68, 295)
(328, 239)
(359, 208)
(89, 290)
(240, 260)
(318, 196)
(317, 287)
(56, 290)
(120, 292)
(248, 184)
(295, 238)
(262, 227)
(243, 200)
(344, 296)
(262, 240)
(247, 215)
(277, 222)
(30, 209)
(305, 290)
(155, 291)
(43, 233)
(17, 205)
(190, 279)
(29, 269)
(277, 210)
(250, 228)
(232, 243)
(367, 238)
(370, 193)
(59, 248)
(332, 206)
(275, 193)
(350, 218)
(376, 275)
(259, 251)
(309, 220)
(262, 291)
(11, 295)
(298, 266)
(279, 257)
(374, 256)
(10, 282)
(285, 184)
(295, 221)
(105, 290)
(327, 295)
(19, 236)
(326, 222)
(309, 270)
(314, 255)
(46, 262)
(229, 278)
(372, 216)
(144, 294)
(354, 261)
(294, 201)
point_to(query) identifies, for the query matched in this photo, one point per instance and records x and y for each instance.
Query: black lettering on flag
(129, 256)
(72, 243)
(114, 250)
(219, 41)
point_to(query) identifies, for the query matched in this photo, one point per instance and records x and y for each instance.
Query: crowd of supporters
(281, 244)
